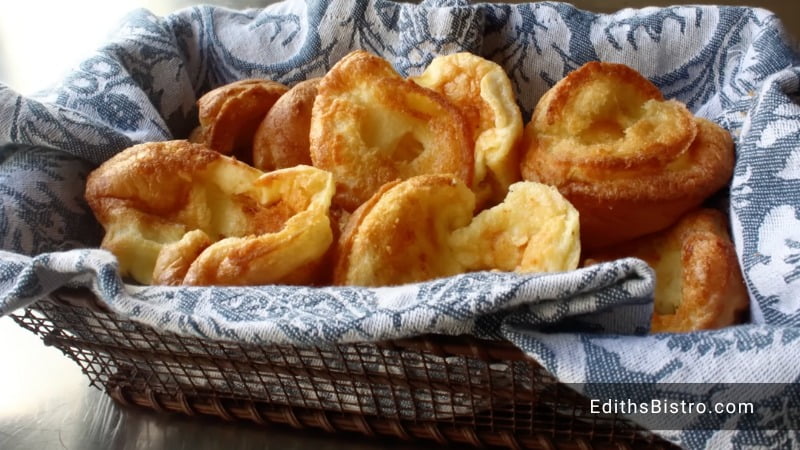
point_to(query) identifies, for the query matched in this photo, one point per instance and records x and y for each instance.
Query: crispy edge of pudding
(230, 115)
(370, 126)
(483, 92)
(401, 234)
(699, 283)
(185, 200)
(282, 138)
(624, 194)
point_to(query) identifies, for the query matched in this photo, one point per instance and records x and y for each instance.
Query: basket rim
(438, 344)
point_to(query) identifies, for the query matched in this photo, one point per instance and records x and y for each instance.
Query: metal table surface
(46, 403)
(45, 400)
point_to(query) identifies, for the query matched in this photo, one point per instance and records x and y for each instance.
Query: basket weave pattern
(451, 390)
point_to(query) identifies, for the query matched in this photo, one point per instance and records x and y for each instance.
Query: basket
(732, 65)
(449, 390)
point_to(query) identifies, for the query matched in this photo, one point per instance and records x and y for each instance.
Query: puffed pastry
(423, 228)
(630, 161)
(699, 284)
(401, 234)
(370, 126)
(483, 92)
(175, 212)
(282, 138)
(534, 229)
(230, 114)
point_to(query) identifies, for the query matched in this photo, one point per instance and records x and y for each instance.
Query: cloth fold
(733, 65)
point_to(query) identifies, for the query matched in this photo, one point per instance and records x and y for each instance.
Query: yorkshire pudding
(282, 138)
(180, 213)
(230, 114)
(534, 229)
(631, 162)
(483, 93)
(401, 234)
(423, 228)
(370, 126)
(699, 284)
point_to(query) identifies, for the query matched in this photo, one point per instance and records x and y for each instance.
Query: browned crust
(349, 232)
(712, 291)
(625, 195)
(554, 106)
(149, 178)
(282, 138)
(288, 243)
(620, 209)
(701, 170)
(230, 114)
(180, 213)
(339, 122)
(174, 259)
(252, 261)
(484, 94)
(401, 231)
(459, 80)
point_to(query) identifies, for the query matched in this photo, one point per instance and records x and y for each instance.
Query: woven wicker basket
(450, 390)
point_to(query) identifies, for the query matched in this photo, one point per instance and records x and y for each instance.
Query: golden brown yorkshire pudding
(230, 114)
(483, 93)
(534, 229)
(401, 234)
(422, 228)
(180, 213)
(631, 162)
(282, 138)
(699, 283)
(369, 126)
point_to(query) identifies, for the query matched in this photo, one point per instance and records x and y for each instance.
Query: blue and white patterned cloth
(732, 65)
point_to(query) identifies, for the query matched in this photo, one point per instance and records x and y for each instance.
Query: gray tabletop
(46, 403)
(45, 400)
